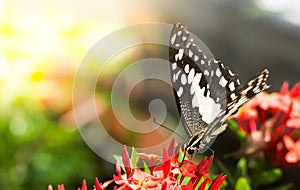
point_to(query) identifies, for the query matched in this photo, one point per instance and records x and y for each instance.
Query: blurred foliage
(36, 150)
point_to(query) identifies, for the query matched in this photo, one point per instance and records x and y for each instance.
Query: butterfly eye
(190, 151)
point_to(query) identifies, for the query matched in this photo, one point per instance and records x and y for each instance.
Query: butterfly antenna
(159, 124)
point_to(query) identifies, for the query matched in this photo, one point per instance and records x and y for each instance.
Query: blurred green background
(43, 42)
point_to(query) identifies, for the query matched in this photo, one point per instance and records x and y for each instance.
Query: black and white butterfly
(206, 91)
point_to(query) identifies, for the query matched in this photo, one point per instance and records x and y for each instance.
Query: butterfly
(206, 91)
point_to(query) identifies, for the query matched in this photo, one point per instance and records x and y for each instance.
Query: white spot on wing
(177, 74)
(198, 96)
(232, 96)
(180, 91)
(206, 73)
(231, 86)
(180, 53)
(191, 76)
(196, 58)
(209, 109)
(187, 68)
(173, 39)
(174, 65)
(183, 79)
(179, 33)
(184, 38)
(202, 62)
(218, 72)
(223, 82)
(190, 53)
(230, 72)
(195, 82)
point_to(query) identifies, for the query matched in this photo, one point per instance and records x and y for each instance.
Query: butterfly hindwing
(252, 88)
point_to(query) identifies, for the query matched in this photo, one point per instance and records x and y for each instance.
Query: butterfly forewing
(206, 91)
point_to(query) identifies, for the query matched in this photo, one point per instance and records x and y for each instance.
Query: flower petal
(203, 184)
(297, 146)
(288, 142)
(104, 185)
(98, 186)
(291, 157)
(295, 92)
(83, 185)
(118, 168)
(140, 176)
(61, 187)
(167, 163)
(284, 88)
(189, 186)
(126, 161)
(216, 184)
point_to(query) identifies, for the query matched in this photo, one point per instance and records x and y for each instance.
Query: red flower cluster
(272, 121)
(171, 175)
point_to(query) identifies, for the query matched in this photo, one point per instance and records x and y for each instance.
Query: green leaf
(179, 177)
(199, 183)
(185, 180)
(267, 176)
(146, 168)
(180, 155)
(242, 184)
(243, 167)
(233, 125)
(134, 158)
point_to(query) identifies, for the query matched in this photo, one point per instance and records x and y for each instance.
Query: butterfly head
(195, 144)
(189, 150)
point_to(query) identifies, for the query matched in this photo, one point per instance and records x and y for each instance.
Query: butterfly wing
(206, 91)
(252, 88)
(202, 87)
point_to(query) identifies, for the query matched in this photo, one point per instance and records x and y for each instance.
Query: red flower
(266, 119)
(172, 174)
(293, 156)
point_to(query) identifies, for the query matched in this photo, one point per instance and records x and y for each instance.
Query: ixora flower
(172, 174)
(269, 123)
